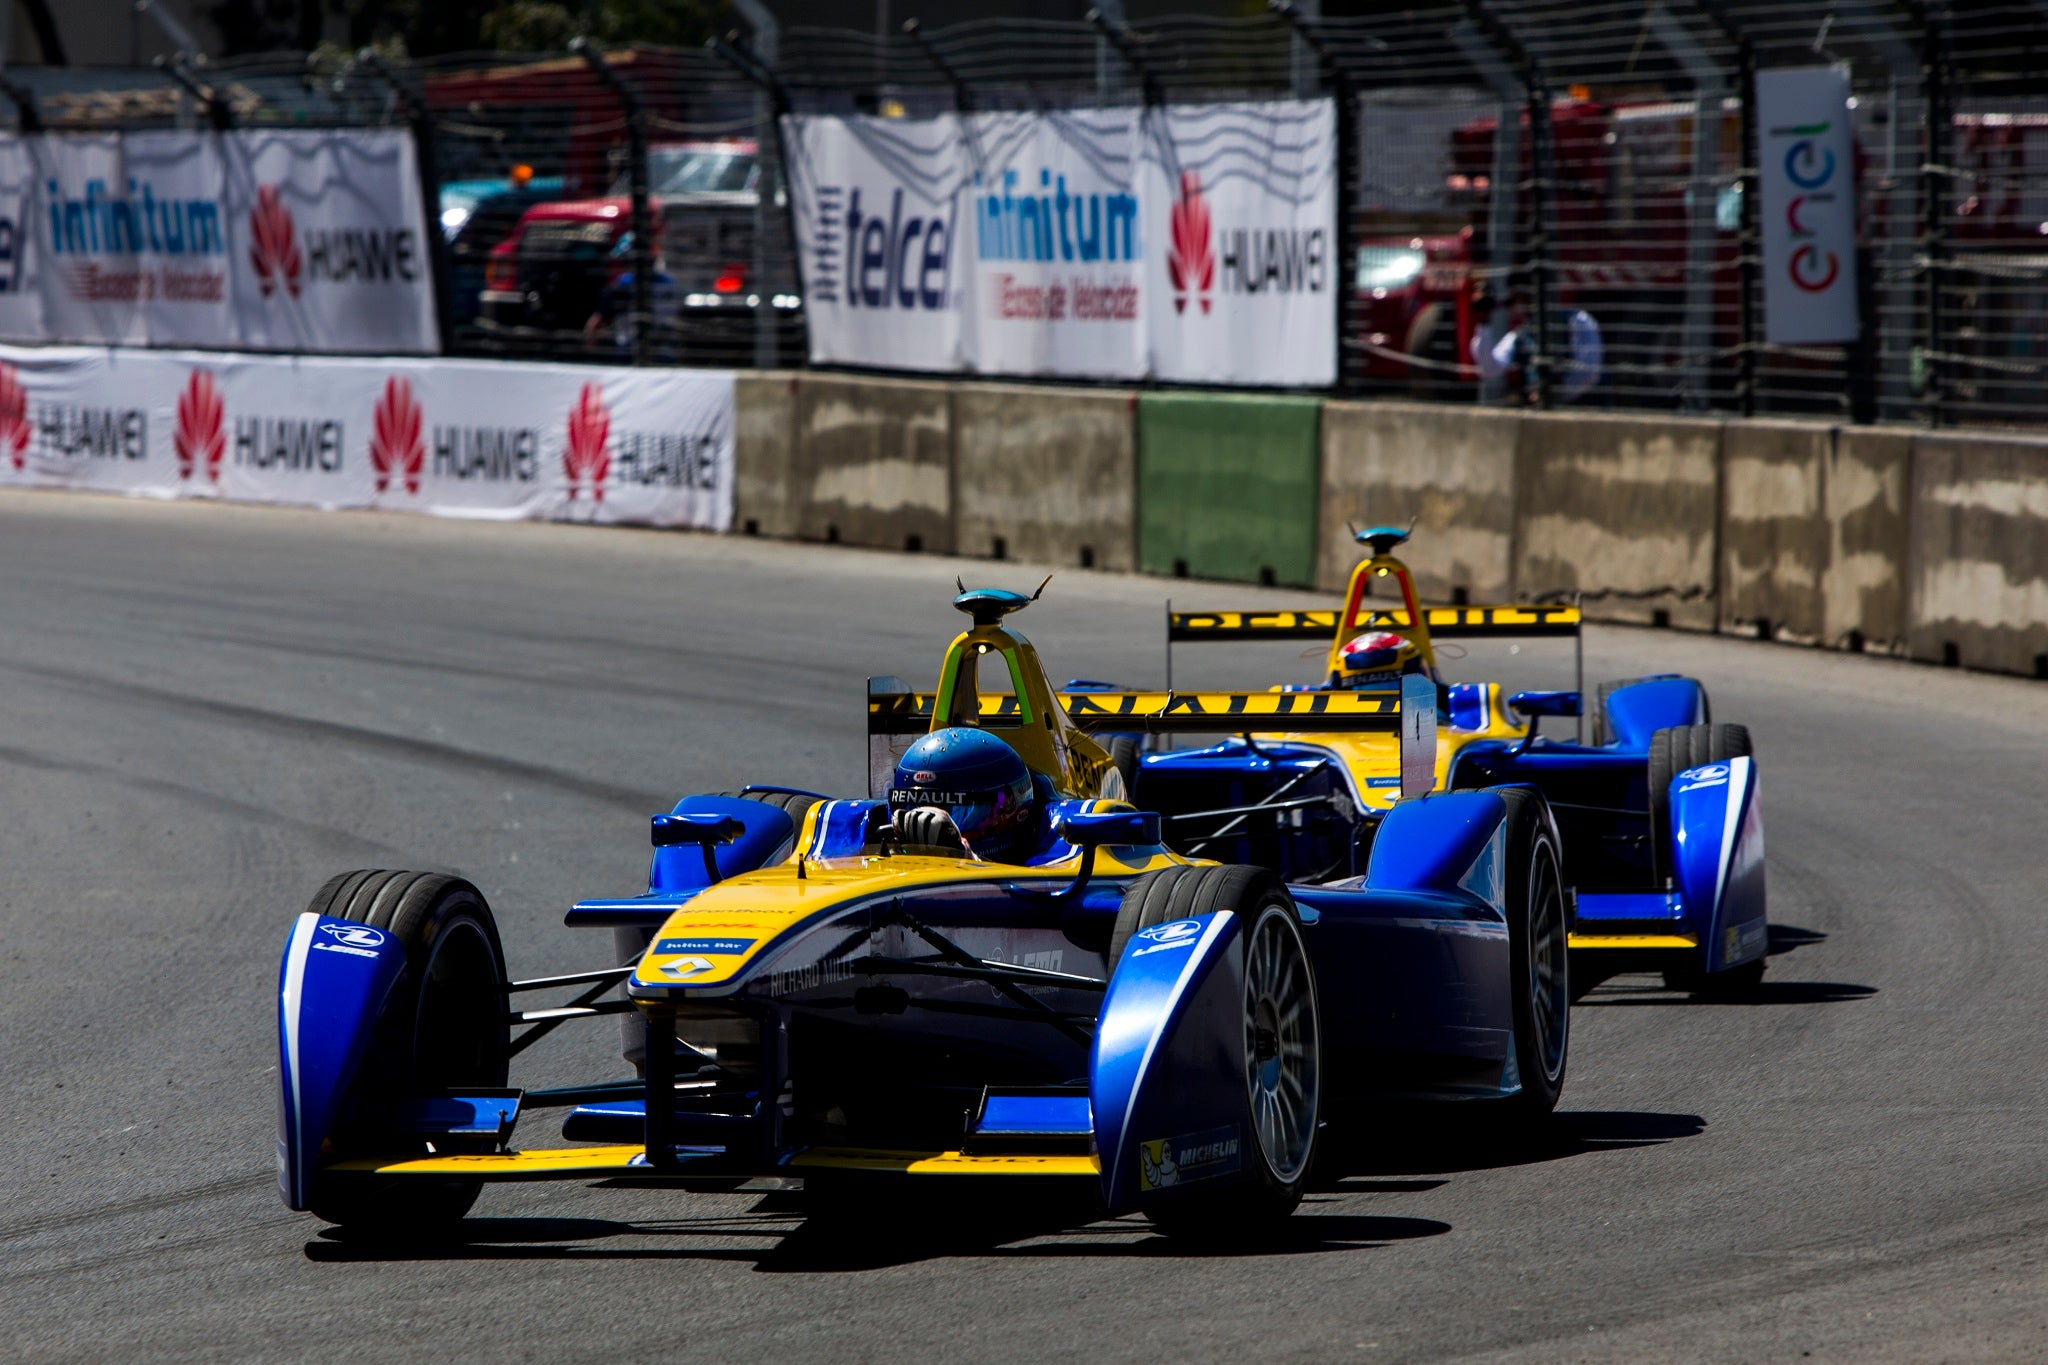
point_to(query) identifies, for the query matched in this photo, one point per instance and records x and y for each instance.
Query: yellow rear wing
(1471, 623)
(1163, 713)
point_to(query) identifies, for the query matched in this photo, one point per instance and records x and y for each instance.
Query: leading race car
(990, 966)
(1661, 824)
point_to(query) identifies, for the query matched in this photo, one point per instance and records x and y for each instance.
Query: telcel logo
(893, 262)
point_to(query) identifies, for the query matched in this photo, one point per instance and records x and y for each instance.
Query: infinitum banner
(455, 438)
(1807, 205)
(292, 240)
(1193, 243)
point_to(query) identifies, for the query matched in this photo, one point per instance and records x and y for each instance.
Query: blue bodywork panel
(1718, 863)
(1639, 710)
(331, 989)
(765, 829)
(1036, 1113)
(1168, 1056)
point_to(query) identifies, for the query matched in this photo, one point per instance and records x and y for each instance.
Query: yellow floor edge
(1634, 941)
(570, 1162)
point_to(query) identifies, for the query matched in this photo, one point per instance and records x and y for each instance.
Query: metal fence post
(1307, 35)
(636, 173)
(752, 68)
(1748, 239)
(426, 164)
(1935, 174)
(1539, 226)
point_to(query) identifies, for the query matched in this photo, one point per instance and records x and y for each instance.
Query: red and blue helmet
(977, 779)
(1377, 655)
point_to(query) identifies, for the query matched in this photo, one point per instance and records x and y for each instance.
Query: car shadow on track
(1426, 1141)
(1644, 988)
(783, 1233)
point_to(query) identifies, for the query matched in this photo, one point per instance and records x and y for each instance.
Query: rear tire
(1124, 757)
(797, 804)
(1672, 751)
(444, 1027)
(1282, 1050)
(1539, 963)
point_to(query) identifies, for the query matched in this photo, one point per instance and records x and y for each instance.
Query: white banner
(1807, 205)
(502, 440)
(285, 240)
(1193, 243)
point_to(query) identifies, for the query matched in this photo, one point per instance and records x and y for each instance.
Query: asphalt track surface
(204, 712)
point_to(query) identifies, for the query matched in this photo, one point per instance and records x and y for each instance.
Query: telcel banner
(1807, 205)
(308, 241)
(457, 438)
(1193, 243)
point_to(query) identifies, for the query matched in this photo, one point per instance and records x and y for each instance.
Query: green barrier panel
(1227, 486)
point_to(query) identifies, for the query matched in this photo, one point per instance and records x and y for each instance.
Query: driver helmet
(978, 780)
(1378, 656)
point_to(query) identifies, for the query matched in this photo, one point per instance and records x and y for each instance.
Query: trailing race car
(992, 966)
(1660, 820)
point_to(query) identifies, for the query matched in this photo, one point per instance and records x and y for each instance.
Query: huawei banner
(1807, 205)
(289, 240)
(1191, 243)
(456, 438)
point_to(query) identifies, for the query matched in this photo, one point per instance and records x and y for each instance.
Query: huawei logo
(587, 455)
(14, 425)
(1190, 260)
(273, 246)
(201, 437)
(396, 451)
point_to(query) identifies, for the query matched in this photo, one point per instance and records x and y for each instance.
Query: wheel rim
(1281, 1054)
(1549, 987)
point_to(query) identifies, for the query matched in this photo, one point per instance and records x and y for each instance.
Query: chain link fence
(1542, 202)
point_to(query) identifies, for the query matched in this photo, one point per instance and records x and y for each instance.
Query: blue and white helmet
(978, 780)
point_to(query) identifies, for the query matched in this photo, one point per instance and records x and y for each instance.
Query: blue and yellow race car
(1659, 816)
(991, 965)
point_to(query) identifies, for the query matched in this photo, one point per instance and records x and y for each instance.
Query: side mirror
(1547, 703)
(701, 828)
(1111, 827)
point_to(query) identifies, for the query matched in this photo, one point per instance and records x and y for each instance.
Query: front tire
(1539, 962)
(1282, 1105)
(444, 1027)
(1672, 751)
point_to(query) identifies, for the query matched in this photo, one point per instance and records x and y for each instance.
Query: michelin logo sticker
(1160, 938)
(1197, 1156)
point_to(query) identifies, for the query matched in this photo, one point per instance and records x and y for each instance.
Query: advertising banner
(301, 240)
(1193, 243)
(454, 438)
(1807, 203)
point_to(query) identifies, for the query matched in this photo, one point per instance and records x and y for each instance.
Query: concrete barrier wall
(1451, 470)
(1863, 591)
(874, 462)
(1046, 474)
(1228, 486)
(1932, 544)
(1624, 509)
(765, 501)
(1774, 529)
(1977, 570)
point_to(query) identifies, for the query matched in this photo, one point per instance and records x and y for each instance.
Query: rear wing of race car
(1445, 623)
(896, 715)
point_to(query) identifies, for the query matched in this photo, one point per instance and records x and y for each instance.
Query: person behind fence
(1495, 341)
(1582, 374)
(615, 306)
